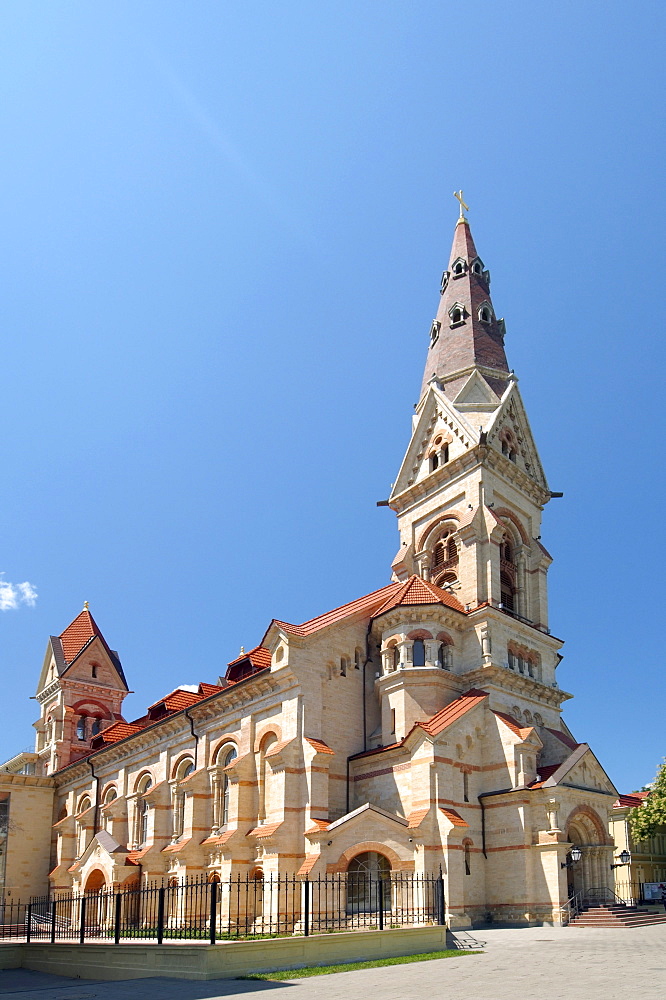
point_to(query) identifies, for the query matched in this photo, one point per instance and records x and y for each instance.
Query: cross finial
(463, 207)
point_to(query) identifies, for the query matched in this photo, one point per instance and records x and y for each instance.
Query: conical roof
(466, 334)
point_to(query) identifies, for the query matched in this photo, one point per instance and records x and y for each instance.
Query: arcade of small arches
(419, 648)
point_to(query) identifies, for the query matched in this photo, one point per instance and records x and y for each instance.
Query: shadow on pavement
(22, 984)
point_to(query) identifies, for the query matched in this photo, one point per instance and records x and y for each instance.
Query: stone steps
(616, 915)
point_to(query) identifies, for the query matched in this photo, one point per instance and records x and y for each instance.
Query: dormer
(458, 267)
(457, 314)
(443, 285)
(485, 312)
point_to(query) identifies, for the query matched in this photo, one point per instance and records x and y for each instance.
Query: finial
(463, 207)
(85, 605)
(242, 652)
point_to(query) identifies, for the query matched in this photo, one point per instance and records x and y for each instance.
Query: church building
(417, 728)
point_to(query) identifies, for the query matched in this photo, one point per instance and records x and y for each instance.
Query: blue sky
(223, 227)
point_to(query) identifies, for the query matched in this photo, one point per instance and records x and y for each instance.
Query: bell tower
(80, 693)
(469, 498)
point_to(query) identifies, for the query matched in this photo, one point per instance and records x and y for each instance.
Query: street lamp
(573, 857)
(624, 858)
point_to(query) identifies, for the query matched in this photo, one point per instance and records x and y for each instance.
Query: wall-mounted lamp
(573, 857)
(623, 858)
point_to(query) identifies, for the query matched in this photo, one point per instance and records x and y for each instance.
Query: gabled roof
(176, 701)
(564, 738)
(78, 635)
(552, 774)
(418, 591)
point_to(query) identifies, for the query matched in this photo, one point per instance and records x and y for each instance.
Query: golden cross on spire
(463, 207)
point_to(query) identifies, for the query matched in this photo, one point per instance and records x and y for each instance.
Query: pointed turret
(466, 334)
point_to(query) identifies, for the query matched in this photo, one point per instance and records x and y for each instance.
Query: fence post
(306, 906)
(441, 909)
(82, 925)
(53, 921)
(380, 897)
(28, 926)
(116, 923)
(160, 914)
(213, 911)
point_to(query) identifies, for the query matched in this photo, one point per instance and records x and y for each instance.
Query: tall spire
(465, 334)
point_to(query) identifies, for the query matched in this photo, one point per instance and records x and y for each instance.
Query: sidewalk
(530, 963)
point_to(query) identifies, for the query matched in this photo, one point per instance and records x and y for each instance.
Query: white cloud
(14, 594)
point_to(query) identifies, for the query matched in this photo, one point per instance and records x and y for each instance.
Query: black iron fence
(210, 911)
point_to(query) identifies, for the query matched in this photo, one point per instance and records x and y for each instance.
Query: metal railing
(204, 911)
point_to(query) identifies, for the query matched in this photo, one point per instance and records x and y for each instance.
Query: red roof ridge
(452, 712)
(366, 603)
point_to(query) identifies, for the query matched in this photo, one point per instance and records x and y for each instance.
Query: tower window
(418, 653)
(96, 726)
(468, 868)
(458, 267)
(484, 314)
(456, 316)
(444, 656)
(444, 282)
(434, 330)
(434, 461)
(465, 786)
(93, 670)
(81, 728)
(507, 591)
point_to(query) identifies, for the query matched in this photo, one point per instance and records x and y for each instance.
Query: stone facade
(417, 728)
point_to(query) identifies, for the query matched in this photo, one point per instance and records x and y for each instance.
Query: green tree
(645, 820)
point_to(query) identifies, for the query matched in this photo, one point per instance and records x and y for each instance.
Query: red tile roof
(134, 857)
(631, 799)
(261, 832)
(308, 864)
(453, 711)
(418, 591)
(77, 634)
(453, 817)
(221, 839)
(209, 689)
(259, 657)
(176, 848)
(514, 725)
(318, 825)
(118, 731)
(367, 605)
(177, 700)
(415, 818)
(319, 745)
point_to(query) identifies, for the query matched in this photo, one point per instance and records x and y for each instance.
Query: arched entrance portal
(97, 900)
(368, 883)
(95, 882)
(592, 874)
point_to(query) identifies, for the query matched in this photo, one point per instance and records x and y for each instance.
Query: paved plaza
(530, 964)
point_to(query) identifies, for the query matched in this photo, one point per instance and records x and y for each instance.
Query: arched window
(506, 550)
(264, 776)
(434, 461)
(468, 866)
(445, 656)
(465, 786)
(81, 726)
(109, 796)
(418, 653)
(358, 658)
(484, 314)
(96, 726)
(143, 809)
(93, 670)
(364, 874)
(512, 660)
(507, 591)
(459, 267)
(456, 316)
(230, 756)
(343, 666)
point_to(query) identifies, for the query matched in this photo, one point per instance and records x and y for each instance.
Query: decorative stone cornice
(520, 684)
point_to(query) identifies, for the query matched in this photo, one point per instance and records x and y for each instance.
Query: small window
(392, 721)
(468, 868)
(396, 657)
(512, 660)
(477, 267)
(434, 461)
(81, 726)
(456, 316)
(418, 653)
(444, 656)
(459, 267)
(96, 726)
(484, 314)
(93, 670)
(343, 666)
(445, 454)
(434, 331)
(465, 786)
(444, 282)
